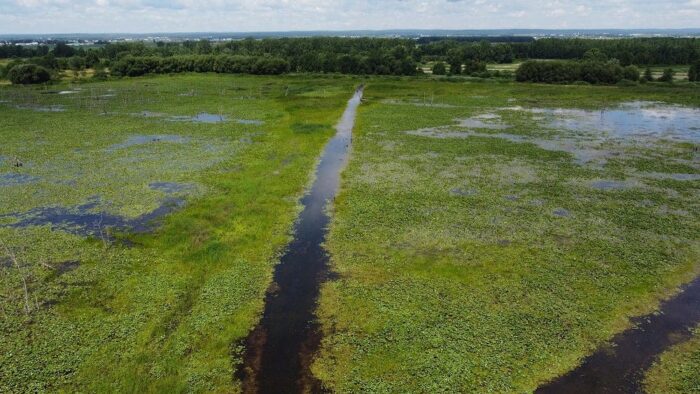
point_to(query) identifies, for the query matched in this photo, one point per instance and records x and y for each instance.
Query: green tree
(25, 74)
(667, 75)
(595, 55)
(91, 59)
(439, 68)
(694, 72)
(63, 50)
(631, 73)
(76, 63)
(474, 66)
(647, 75)
(454, 58)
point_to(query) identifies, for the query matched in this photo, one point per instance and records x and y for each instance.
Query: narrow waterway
(280, 349)
(620, 367)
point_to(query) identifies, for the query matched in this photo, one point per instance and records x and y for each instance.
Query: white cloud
(64, 16)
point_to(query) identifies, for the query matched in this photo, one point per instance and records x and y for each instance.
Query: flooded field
(136, 238)
(193, 233)
(518, 235)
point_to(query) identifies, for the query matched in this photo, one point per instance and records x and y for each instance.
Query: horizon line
(587, 29)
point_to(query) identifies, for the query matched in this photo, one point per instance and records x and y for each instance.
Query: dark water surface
(87, 220)
(620, 367)
(280, 349)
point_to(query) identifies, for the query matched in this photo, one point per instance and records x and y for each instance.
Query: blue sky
(91, 16)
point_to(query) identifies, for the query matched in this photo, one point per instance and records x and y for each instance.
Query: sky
(146, 16)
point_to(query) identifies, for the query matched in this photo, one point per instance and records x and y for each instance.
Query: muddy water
(620, 368)
(280, 349)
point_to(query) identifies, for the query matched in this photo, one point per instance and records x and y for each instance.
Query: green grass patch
(486, 264)
(166, 311)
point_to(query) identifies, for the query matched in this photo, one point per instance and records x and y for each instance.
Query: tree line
(131, 66)
(381, 56)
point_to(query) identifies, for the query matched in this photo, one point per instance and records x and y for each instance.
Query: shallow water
(593, 136)
(250, 122)
(636, 118)
(609, 185)
(619, 367)
(674, 176)
(280, 349)
(202, 117)
(484, 121)
(147, 139)
(561, 212)
(170, 187)
(40, 108)
(86, 220)
(417, 103)
(14, 179)
(463, 192)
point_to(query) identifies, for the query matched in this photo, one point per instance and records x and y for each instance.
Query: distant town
(91, 39)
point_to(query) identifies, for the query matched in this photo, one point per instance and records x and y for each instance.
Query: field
(160, 311)
(486, 240)
(677, 369)
(488, 235)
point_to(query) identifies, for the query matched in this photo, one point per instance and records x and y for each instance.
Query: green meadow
(483, 245)
(487, 236)
(161, 311)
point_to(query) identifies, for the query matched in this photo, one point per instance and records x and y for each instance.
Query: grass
(465, 264)
(488, 265)
(164, 311)
(677, 369)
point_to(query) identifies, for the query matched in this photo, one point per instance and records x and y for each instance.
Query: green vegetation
(439, 68)
(150, 312)
(480, 244)
(364, 56)
(137, 66)
(667, 76)
(678, 369)
(494, 256)
(694, 72)
(592, 71)
(26, 74)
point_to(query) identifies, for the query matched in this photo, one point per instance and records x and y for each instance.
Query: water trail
(280, 349)
(620, 368)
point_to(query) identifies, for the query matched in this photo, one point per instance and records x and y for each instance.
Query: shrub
(694, 72)
(25, 74)
(631, 73)
(647, 75)
(473, 67)
(130, 66)
(626, 82)
(667, 75)
(568, 72)
(439, 68)
(100, 75)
